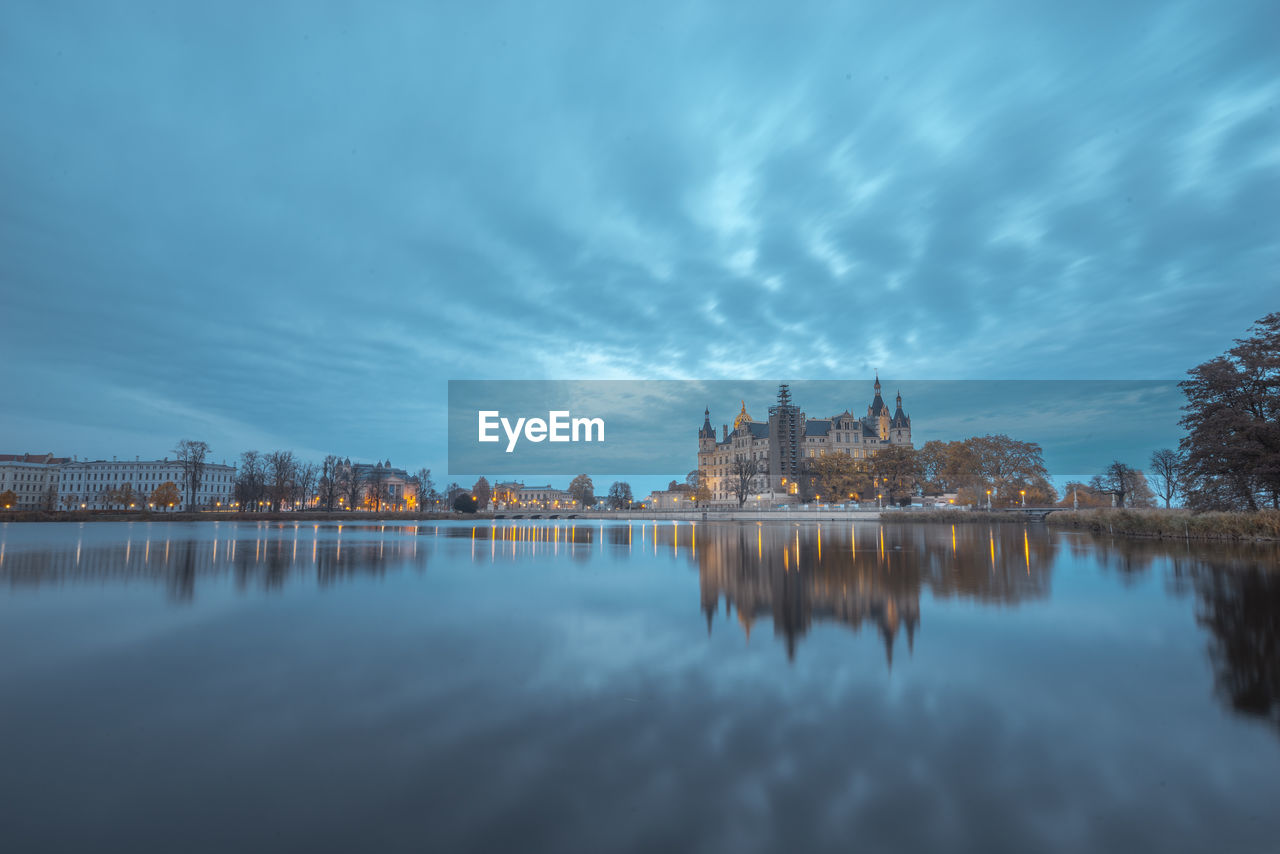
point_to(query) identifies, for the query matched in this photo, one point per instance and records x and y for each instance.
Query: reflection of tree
(798, 574)
(1241, 610)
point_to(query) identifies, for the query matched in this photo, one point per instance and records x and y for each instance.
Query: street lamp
(988, 499)
(1024, 498)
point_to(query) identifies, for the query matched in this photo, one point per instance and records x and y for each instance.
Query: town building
(780, 446)
(33, 478)
(117, 484)
(382, 486)
(545, 497)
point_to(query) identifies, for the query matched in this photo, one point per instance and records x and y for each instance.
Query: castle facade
(780, 446)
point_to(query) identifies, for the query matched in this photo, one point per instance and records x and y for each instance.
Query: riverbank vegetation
(1173, 524)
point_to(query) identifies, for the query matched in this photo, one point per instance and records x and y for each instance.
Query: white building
(86, 483)
(33, 478)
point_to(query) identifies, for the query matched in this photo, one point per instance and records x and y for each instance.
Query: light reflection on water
(1128, 691)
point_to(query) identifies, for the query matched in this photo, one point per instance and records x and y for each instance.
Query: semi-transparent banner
(653, 427)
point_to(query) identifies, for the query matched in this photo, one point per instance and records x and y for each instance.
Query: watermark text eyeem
(558, 426)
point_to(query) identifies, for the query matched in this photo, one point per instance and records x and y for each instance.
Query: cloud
(305, 224)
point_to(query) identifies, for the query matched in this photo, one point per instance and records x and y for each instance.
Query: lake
(719, 687)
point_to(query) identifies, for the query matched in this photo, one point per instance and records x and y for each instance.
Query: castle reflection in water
(795, 575)
(792, 573)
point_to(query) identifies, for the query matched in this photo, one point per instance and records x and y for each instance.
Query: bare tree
(349, 485)
(1166, 468)
(304, 483)
(280, 475)
(250, 480)
(191, 455)
(1123, 482)
(743, 472)
(426, 488)
(329, 485)
(375, 486)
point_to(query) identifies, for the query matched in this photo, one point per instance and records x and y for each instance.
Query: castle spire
(707, 431)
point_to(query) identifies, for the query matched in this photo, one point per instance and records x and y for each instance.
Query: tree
(583, 490)
(349, 485)
(8, 499)
(426, 488)
(895, 471)
(304, 484)
(375, 487)
(280, 470)
(1166, 469)
(1006, 466)
(838, 476)
(482, 493)
(1123, 482)
(251, 480)
(697, 484)
(126, 496)
(946, 466)
(1232, 446)
(328, 484)
(49, 499)
(166, 495)
(620, 495)
(464, 502)
(742, 472)
(191, 455)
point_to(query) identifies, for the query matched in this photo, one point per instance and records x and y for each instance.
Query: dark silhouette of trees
(743, 471)
(251, 480)
(1232, 446)
(620, 495)
(583, 490)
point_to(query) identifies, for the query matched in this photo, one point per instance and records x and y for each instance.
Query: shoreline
(1173, 524)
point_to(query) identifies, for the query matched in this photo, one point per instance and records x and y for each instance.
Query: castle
(780, 446)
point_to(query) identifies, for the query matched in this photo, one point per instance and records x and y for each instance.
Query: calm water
(724, 687)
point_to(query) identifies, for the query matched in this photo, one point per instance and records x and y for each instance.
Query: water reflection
(856, 576)
(263, 558)
(794, 575)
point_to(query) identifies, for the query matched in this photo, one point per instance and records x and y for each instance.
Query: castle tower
(900, 426)
(707, 434)
(878, 413)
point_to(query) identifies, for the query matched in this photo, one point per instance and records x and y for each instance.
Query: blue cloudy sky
(288, 225)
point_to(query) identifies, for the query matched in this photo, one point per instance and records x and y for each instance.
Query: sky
(289, 225)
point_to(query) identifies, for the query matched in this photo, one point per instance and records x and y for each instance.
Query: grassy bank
(1173, 524)
(304, 516)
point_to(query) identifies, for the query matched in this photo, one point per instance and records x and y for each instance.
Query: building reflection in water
(274, 555)
(796, 575)
(862, 575)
